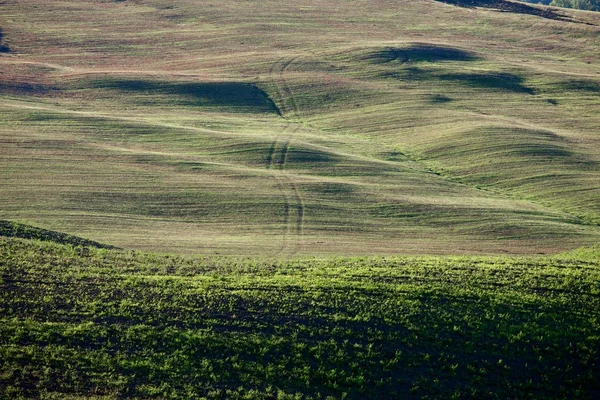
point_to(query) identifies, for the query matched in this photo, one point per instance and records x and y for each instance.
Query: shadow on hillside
(582, 85)
(420, 53)
(492, 80)
(501, 81)
(532, 145)
(439, 99)
(508, 6)
(227, 95)
(309, 157)
(3, 47)
(24, 88)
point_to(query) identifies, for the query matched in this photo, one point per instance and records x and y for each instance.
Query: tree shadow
(508, 6)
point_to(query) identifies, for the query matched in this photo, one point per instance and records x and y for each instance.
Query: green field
(302, 128)
(357, 199)
(80, 322)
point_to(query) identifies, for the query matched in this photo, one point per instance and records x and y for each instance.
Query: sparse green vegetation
(279, 154)
(131, 325)
(590, 5)
(12, 229)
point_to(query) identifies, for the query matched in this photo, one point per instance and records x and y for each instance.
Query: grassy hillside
(94, 323)
(283, 128)
(14, 230)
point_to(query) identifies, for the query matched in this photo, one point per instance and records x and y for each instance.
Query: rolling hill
(299, 200)
(302, 128)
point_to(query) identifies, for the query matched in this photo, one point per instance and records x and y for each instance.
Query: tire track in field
(286, 146)
(281, 162)
(283, 154)
(277, 157)
(286, 87)
(283, 91)
(293, 202)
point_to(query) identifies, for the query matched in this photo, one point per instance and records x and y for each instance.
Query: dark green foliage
(509, 6)
(13, 229)
(147, 326)
(589, 5)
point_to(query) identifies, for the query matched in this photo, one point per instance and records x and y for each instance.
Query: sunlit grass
(87, 322)
(373, 128)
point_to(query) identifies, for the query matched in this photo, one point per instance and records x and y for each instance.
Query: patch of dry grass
(301, 128)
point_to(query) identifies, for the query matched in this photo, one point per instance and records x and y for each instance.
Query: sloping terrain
(309, 127)
(114, 324)
(14, 230)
